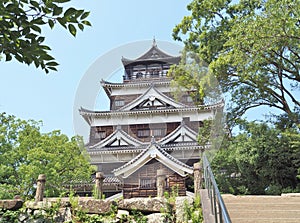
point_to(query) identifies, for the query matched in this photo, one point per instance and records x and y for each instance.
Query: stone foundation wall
(87, 209)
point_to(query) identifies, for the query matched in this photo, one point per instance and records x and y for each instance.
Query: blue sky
(29, 93)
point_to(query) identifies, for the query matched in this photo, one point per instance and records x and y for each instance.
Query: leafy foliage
(260, 160)
(21, 24)
(25, 153)
(193, 213)
(9, 216)
(252, 47)
(193, 76)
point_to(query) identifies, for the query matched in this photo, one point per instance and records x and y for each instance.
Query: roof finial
(154, 42)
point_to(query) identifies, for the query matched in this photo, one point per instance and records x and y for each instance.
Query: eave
(118, 134)
(201, 109)
(153, 152)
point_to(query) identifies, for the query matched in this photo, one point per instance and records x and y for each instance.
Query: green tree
(21, 23)
(193, 75)
(25, 153)
(253, 48)
(259, 160)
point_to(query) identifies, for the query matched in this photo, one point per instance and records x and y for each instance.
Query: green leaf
(84, 15)
(25, 31)
(69, 11)
(36, 63)
(51, 23)
(36, 28)
(62, 21)
(11, 7)
(19, 58)
(57, 10)
(72, 29)
(80, 26)
(35, 5)
(52, 68)
(41, 39)
(87, 23)
(52, 64)
(45, 47)
(79, 13)
(39, 21)
(46, 56)
(8, 57)
(61, 1)
(46, 10)
(31, 36)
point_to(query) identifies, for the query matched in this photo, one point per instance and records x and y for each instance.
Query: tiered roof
(151, 100)
(182, 138)
(153, 54)
(89, 114)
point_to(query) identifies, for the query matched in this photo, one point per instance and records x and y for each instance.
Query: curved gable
(152, 98)
(181, 134)
(153, 151)
(117, 138)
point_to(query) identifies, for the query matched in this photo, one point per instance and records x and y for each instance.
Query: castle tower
(146, 129)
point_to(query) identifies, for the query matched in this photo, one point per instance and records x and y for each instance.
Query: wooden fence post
(39, 195)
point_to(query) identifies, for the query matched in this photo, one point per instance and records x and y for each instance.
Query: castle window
(119, 103)
(147, 183)
(158, 132)
(100, 135)
(143, 133)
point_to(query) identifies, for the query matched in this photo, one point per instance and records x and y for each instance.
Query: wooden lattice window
(159, 132)
(143, 133)
(147, 183)
(100, 135)
(119, 103)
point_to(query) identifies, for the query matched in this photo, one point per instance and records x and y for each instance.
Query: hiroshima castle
(146, 129)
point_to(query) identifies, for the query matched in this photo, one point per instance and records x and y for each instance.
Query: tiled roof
(153, 54)
(157, 93)
(181, 129)
(156, 151)
(201, 108)
(145, 82)
(111, 180)
(118, 134)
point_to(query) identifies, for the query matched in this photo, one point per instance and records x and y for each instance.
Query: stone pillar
(160, 182)
(99, 185)
(197, 178)
(39, 195)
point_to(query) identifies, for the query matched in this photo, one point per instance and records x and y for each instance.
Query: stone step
(263, 209)
(266, 207)
(266, 220)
